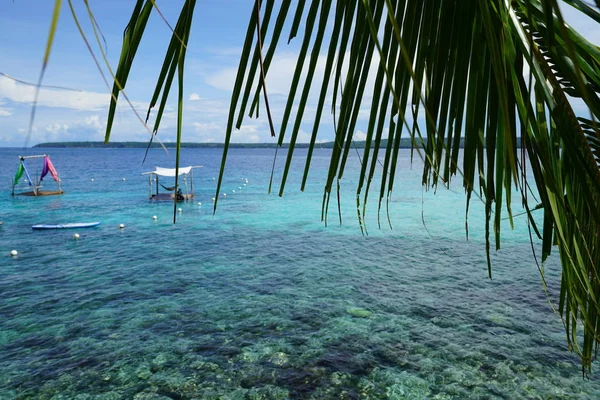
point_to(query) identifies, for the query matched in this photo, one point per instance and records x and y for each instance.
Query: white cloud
(211, 131)
(249, 129)
(250, 134)
(279, 79)
(194, 97)
(56, 128)
(206, 127)
(359, 135)
(225, 51)
(215, 109)
(63, 127)
(69, 99)
(94, 122)
(4, 112)
(75, 100)
(279, 76)
(51, 133)
(223, 79)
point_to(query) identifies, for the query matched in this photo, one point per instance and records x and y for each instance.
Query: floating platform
(34, 187)
(72, 225)
(40, 193)
(171, 196)
(187, 173)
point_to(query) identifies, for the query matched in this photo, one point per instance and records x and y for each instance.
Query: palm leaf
(460, 66)
(450, 73)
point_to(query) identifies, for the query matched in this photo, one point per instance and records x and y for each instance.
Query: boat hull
(66, 226)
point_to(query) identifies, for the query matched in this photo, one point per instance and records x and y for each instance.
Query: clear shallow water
(261, 300)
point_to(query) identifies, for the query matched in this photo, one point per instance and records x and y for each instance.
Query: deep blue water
(261, 300)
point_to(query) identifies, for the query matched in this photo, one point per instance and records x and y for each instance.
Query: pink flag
(51, 169)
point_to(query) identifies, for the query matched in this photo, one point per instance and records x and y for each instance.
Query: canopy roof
(171, 171)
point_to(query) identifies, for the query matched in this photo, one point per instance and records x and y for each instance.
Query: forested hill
(404, 143)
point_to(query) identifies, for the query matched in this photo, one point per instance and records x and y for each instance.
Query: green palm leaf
(451, 75)
(459, 67)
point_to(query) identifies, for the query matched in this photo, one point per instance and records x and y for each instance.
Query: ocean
(262, 300)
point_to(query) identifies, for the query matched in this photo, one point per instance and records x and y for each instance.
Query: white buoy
(199, 204)
(92, 179)
(123, 178)
(244, 184)
(213, 179)
(76, 236)
(213, 199)
(154, 217)
(233, 191)
(239, 187)
(179, 210)
(224, 194)
(14, 253)
(122, 226)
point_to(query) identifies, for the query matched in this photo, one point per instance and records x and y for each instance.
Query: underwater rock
(6, 336)
(366, 387)
(250, 356)
(237, 394)
(143, 372)
(204, 366)
(108, 396)
(150, 396)
(268, 392)
(359, 312)
(339, 378)
(8, 394)
(253, 354)
(279, 358)
(442, 396)
(228, 351)
(495, 318)
(160, 360)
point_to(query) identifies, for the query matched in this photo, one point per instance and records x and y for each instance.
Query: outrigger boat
(35, 183)
(72, 225)
(173, 192)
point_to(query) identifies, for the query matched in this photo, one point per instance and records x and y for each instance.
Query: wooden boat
(172, 192)
(72, 225)
(35, 187)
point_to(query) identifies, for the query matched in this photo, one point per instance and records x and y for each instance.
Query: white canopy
(171, 171)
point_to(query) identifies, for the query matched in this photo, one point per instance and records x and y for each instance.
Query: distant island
(404, 144)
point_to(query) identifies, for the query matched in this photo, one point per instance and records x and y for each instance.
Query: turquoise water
(262, 301)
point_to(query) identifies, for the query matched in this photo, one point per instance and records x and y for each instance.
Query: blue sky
(217, 35)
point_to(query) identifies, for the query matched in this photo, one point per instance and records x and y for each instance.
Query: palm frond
(452, 75)
(458, 69)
